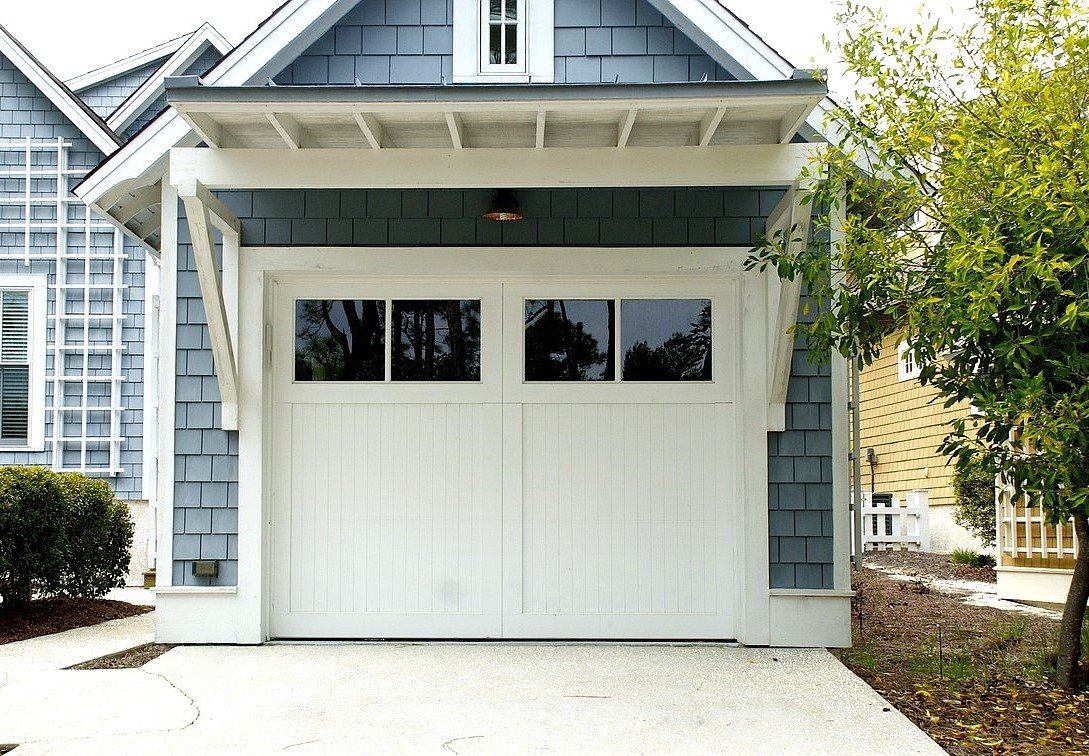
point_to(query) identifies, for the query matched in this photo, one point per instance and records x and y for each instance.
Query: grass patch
(970, 558)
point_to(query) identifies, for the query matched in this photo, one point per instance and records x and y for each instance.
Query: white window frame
(907, 366)
(536, 40)
(522, 62)
(36, 286)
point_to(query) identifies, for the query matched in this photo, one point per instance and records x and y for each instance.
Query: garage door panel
(513, 506)
(624, 510)
(392, 512)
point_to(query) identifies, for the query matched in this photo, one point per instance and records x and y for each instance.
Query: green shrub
(99, 536)
(33, 541)
(972, 558)
(974, 496)
(60, 535)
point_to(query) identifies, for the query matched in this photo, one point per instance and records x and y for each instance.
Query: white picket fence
(888, 525)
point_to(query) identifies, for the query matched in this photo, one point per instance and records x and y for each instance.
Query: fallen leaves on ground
(982, 688)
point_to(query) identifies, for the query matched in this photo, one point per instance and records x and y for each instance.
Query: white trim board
(527, 168)
(199, 42)
(63, 98)
(125, 65)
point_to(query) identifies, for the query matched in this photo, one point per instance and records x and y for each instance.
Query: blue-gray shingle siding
(26, 112)
(108, 96)
(411, 42)
(206, 458)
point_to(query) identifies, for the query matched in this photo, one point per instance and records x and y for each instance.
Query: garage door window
(340, 340)
(436, 340)
(570, 339)
(666, 339)
(661, 340)
(350, 340)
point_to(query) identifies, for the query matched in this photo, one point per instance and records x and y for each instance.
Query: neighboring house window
(22, 362)
(504, 41)
(908, 367)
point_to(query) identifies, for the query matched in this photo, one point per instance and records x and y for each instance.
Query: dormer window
(505, 32)
(504, 41)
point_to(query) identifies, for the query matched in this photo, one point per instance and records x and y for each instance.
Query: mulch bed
(982, 688)
(49, 616)
(932, 565)
(131, 659)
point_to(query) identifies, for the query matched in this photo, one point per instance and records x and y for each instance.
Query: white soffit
(569, 116)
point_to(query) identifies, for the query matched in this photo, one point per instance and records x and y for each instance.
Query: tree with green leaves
(955, 199)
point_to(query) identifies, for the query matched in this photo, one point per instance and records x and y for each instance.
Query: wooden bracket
(204, 213)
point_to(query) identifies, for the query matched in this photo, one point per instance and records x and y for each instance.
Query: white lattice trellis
(1024, 532)
(86, 257)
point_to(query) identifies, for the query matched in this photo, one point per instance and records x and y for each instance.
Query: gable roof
(65, 100)
(188, 52)
(126, 65)
(296, 24)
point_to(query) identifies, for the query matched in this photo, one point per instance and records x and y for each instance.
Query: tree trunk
(1066, 664)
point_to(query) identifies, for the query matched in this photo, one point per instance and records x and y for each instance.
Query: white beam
(626, 125)
(542, 121)
(792, 219)
(208, 129)
(457, 131)
(294, 135)
(792, 121)
(371, 128)
(709, 125)
(203, 213)
(482, 168)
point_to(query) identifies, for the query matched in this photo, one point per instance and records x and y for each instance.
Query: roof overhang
(84, 119)
(126, 65)
(501, 116)
(471, 136)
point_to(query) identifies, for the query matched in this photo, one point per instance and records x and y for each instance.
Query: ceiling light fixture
(504, 206)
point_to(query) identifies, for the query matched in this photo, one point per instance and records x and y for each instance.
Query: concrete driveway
(459, 698)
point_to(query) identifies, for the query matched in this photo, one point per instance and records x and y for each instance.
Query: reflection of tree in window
(653, 354)
(436, 340)
(340, 340)
(570, 340)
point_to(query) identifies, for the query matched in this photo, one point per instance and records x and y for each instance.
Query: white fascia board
(725, 165)
(290, 31)
(196, 45)
(64, 100)
(125, 65)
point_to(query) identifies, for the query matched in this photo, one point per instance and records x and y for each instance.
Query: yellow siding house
(902, 426)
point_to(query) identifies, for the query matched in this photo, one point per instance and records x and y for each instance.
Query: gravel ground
(923, 564)
(132, 659)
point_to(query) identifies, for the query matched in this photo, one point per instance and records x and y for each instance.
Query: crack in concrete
(448, 745)
(186, 726)
(188, 698)
(299, 745)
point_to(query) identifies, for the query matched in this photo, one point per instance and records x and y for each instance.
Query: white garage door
(505, 459)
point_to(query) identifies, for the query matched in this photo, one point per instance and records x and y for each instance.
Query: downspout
(856, 459)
